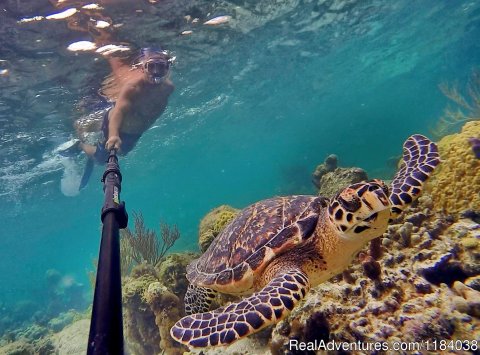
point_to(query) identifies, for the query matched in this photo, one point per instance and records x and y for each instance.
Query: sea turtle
(276, 249)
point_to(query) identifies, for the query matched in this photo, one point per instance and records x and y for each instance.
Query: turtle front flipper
(198, 299)
(420, 157)
(227, 324)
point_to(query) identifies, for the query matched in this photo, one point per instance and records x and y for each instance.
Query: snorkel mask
(156, 64)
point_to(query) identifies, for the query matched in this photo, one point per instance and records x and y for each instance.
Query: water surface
(259, 102)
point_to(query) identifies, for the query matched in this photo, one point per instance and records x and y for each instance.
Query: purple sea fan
(475, 142)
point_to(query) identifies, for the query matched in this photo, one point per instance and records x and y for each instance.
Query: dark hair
(149, 52)
(153, 52)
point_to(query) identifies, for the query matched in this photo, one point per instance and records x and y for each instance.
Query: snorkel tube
(106, 327)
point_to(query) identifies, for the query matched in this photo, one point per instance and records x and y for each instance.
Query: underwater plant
(143, 244)
(126, 260)
(467, 106)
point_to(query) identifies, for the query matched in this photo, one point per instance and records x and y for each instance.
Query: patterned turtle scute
(277, 223)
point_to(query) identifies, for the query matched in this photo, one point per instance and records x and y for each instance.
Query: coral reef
(58, 338)
(58, 323)
(419, 282)
(214, 222)
(455, 186)
(32, 332)
(329, 165)
(25, 329)
(424, 287)
(73, 339)
(171, 272)
(329, 178)
(19, 347)
(153, 301)
(167, 308)
(140, 330)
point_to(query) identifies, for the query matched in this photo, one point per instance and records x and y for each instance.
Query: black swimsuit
(128, 141)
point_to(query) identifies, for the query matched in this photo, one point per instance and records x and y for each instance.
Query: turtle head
(361, 211)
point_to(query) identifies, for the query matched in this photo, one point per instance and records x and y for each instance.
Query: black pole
(106, 327)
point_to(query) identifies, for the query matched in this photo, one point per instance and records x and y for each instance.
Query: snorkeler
(140, 98)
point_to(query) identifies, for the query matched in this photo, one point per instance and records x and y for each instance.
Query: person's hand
(114, 142)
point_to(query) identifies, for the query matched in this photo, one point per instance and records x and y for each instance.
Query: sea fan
(466, 106)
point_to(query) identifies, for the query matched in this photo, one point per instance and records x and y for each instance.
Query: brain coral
(455, 186)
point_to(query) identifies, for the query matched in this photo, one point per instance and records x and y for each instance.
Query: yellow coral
(223, 220)
(469, 243)
(213, 223)
(455, 185)
(136, 285)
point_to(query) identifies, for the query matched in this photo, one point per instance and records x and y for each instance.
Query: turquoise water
(259, 102)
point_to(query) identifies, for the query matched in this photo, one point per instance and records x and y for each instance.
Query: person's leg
(88, 149)
(85, 126)
(94, 151)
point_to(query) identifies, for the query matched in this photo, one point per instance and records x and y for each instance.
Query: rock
(417, 219)
(473, 282)
(445, 270)
(329, 165)
(459, 304)
(376, 250)
(405, 233)
(153, 302)
(471, 214)
(141, 333)
(415, 239)
(33, 332)
(329, 181)
(167, 310)
(372, 268)
(471, 297)
(58, 323)
(423, 286)
(72, 340)
(386, 242)
(426, 201)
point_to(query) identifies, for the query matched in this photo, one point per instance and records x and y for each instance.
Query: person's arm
(117, 114)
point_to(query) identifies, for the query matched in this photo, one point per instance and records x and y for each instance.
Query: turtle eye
(352, 204)
(379, 184)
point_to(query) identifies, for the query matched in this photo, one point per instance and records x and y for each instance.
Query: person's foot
(69, 149)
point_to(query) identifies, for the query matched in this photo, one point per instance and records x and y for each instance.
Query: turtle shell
(258, 234)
